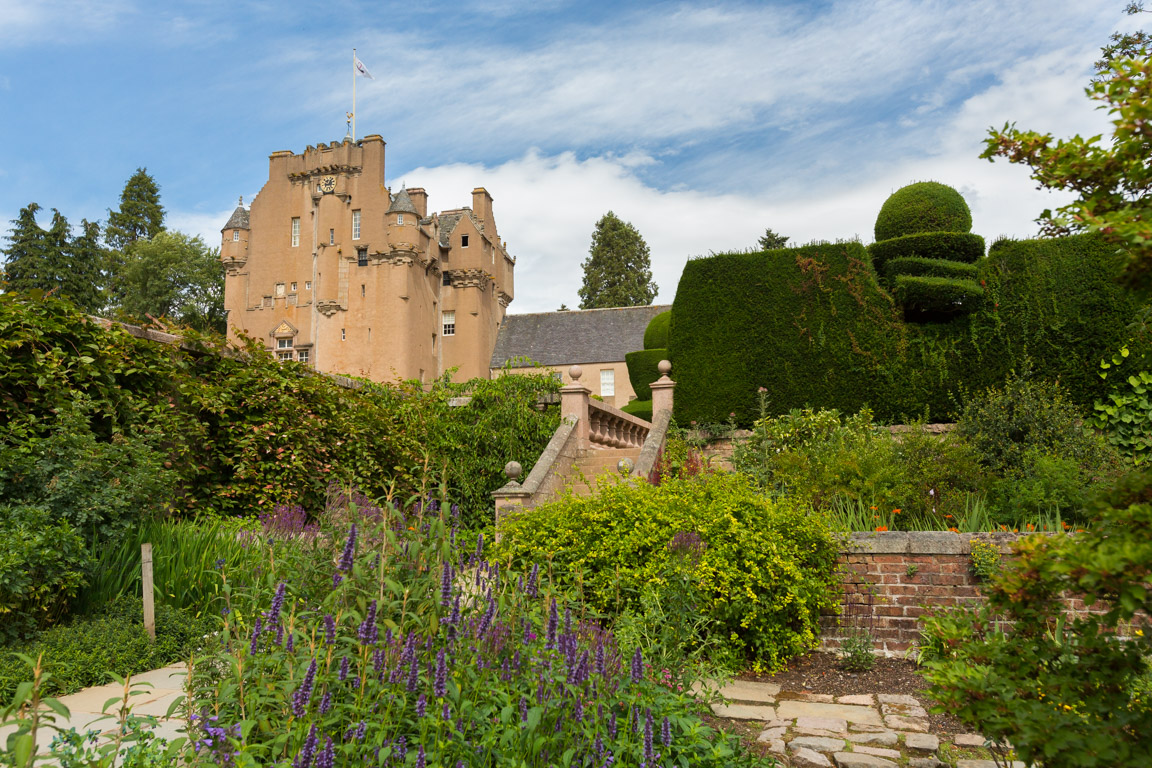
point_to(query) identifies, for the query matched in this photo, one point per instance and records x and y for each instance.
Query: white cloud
(27, 23)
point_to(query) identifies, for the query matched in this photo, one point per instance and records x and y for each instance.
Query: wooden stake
(149, 596)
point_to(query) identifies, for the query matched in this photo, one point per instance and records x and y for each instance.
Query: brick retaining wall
(886, 595)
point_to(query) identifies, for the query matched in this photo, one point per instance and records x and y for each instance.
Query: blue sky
(701, 123)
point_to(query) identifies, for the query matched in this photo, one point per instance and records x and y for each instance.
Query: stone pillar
(662, 389)
(512, 496)
(574, 403)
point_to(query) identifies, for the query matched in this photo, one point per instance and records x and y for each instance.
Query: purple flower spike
(532, 578)
(523, 710)
(637, 666)
(343, 669)
(277, 605)
(421, 705)
(329, 630)
(253, 648)
(304, 759)
(420, 759)
(446, 586)
(327, 756)
(368, 630)
(303, 694)
(361, 731)
(666, 733)
(553, 623)
(441, 685)
(349, 550)
(649, 757)
(413, 681)
(326, 702)
(600, 668)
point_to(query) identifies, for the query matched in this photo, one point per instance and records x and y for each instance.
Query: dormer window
(463, 241)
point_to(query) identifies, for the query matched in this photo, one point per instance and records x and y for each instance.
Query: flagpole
(353, 94)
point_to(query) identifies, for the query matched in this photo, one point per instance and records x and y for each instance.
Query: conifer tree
(26, 265)
(82, 281)
(140, 216)
(618, 270)
(771, 241)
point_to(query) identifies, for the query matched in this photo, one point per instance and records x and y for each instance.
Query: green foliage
(936, 296)
(955, 247)
(52, 260)
(656, 334)
(642, 370)
(985, 559)
(641, 409)
(1126, 417)
(916, 266)
(88, 651)
(618, 270)
(771, 241)
(856, 651)
(1028, 434)
(927, 206)
(812, 327)
(766, 574)
(1111, 180)
(1065, 692)
(140, 215)
(43, 564)
(172, 275)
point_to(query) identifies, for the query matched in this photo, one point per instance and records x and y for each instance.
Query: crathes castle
(331, 268)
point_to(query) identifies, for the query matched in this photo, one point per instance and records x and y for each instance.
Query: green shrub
(936, 295)
(642, 370)
(915, 266)
(43, 564)
(765, 576)
(1066, 691)
(958, 247)
(87, 650)
(641, 409)
(1126, 417)
(656, 334)
(927, 206)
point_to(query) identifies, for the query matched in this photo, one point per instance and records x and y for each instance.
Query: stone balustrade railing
(610, 427)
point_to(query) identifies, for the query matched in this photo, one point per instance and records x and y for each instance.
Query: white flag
(363, 70)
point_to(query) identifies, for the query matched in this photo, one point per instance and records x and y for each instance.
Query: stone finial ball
(625, 466)
(513, 470)
(575, 372)
(665, 367)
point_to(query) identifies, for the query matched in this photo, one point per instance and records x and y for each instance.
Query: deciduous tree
(618, 270)
(175, 276)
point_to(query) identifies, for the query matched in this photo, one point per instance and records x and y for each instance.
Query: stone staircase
(595, 464)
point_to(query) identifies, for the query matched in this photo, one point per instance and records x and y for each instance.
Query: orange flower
(1030, 526)
(881, 527)
(948, 517)
(1065, 524)
(873, 508)
(954, 530)
(896, 511)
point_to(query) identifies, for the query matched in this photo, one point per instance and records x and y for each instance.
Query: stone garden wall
(892, 578)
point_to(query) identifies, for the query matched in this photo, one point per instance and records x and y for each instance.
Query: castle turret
(402, 221)
(234, 239)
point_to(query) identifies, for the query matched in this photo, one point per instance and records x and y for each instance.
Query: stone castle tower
(331, 269)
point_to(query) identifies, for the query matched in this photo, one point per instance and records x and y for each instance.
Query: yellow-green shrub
(766, 572)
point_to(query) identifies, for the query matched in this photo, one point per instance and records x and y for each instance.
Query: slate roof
(402, 203)
(239, 219)
(579, 336)
(448, 222)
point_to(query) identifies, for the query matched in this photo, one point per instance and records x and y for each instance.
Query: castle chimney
(420, 200)
(482, 204)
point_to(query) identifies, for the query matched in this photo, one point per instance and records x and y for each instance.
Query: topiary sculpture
(925, 253)
(642, 369)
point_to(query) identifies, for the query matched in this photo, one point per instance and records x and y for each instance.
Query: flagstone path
(862, 731)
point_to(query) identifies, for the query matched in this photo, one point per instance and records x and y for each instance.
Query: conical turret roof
(402, 203)
(239, 218)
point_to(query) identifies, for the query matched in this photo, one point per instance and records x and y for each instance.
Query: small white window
(307, 285)
(283, 343)
(282, 356)
(449, 324)
(607, 382)
(302, 355)
(463, 241)
(293, 287)
(331, 237)
(355, 225)
(235, 235)
(343, 335)
(295, 231)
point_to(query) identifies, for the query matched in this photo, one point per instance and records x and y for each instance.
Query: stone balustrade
(610, 427)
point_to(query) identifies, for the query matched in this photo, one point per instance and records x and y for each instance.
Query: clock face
(328, 184)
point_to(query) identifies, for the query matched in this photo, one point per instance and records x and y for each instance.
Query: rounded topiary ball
(656, 334)
(927, 206)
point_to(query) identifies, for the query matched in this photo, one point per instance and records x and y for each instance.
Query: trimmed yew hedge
(656, 334)
(915, 266)
(642, 370)
(813, 327)
(927, 206)
(936, 295)
(951, 246)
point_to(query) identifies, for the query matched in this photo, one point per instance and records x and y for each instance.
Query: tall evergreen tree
(771, 241)
(26, 266)
(618, 270)
(140, 216)
(82, 282)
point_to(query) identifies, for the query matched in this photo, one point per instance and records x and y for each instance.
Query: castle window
(361, 257)
(284, 343)
(361, 289)
(295, 231)
(463, 241)
(449, 324)
(446, 279)
(235, 235)
(607, 382)
(355, 225)
(343, 335)
(331, 237)
(302, 355)
(293, 287)
(283, 356)
(307, 285)
(399, 218)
